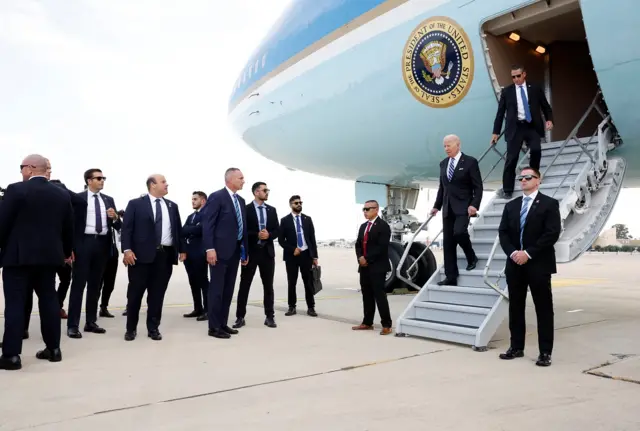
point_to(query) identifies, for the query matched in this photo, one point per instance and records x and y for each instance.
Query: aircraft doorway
(548, 38)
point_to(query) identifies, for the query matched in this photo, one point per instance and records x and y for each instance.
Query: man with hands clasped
(529, 229)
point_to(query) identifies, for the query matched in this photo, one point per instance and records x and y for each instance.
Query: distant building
(608, 238)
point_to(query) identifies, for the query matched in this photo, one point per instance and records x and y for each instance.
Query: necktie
(158, 222)
(261, 220)
(366, 238)
(525, 103)
(238, 217)
(523, 216)
(450, 171)
(299, 232)
(98, 214)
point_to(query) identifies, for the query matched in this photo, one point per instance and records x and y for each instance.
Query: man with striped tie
(224, 237)
(459, 197)
(529, 229)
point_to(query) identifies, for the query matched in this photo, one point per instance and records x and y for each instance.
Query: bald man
(36, 237)
(151, 243)
(459, 197)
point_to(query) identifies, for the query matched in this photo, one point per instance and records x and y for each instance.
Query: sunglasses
(516, 76)
(365, 209)
(526, 177)
(296, 203)
(99, 178)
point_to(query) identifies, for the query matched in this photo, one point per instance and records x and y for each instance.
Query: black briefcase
(316, 273)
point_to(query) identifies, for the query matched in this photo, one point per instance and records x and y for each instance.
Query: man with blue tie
(529, 229)
(297, 238)
(152, 244)
(522, 103)
(196, 263)
(224, 237)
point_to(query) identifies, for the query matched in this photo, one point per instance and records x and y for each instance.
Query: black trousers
(152, 278)
(302, 264)
(109, 280)
(64, 274)
(91, 255)
(518, 278)
(222, 282)
(373, 293)
(524, 132)
(259, 258)
(197, 268)
(18, 284)
(455, 233)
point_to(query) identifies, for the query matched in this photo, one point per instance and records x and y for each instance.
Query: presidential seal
(437, 64)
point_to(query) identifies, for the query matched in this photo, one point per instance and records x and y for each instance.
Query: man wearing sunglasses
(529, 229)
(522, 102)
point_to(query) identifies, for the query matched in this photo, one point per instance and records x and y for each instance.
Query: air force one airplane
(365, 90)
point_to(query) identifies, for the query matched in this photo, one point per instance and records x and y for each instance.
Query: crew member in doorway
(262, 228)
(529, 229)
(522, 103)
(95, 217)
(110, 272)
(297, 237)
(372, 251)
(196, 262)
(459, 197)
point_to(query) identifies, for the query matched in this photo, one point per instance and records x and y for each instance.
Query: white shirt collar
(294, 215)
(153, 198)
(373, 221)
(532, 196)
(457, 157)
(229, 191)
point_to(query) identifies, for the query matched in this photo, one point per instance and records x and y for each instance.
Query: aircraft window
(264, 59)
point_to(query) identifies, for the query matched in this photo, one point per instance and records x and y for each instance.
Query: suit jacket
(253, 228)
(36, 224)
(542, 229)
(192, 234)
(80, 202)
(139, 233)
(288, 237)
(220, 225)
(464, 189)
(509, 104)
(377, 246)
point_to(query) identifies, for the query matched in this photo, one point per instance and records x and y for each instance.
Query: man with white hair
(459, 197)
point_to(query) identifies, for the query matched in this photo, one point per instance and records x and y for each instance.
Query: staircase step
(499, 203)
(466, 315)
(560, 170)
(460, 295)
(485, 231)
(497, 263)
(571, 143)
(475, 278)
(483, 247)
(563, 159)
(438, 330)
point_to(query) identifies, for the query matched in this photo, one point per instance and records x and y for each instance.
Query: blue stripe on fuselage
(301, 25)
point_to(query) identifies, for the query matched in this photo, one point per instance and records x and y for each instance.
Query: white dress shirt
(90, 225)
(456, 159)
(167, 237)
(295, 227)
(521, 114)
(529, 203)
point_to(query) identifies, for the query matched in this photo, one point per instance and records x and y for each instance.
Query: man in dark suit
(529, 229)
(262, 229)
(36, 237)
(297, 237)
(64, 272)
(522, 103)
(196, 263)
(372, 251)
(151, 244)
(459, 197)
(110, 271)
(95, 218)
(224, 237)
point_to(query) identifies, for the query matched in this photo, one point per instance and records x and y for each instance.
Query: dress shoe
(104, 312)
(544, 360)
(362, 327)
(93, 327)
(291, 311)
(54, 355)
(194, 313)
(386, 331)
(25, 335)
(512, 353)
(472, 265)
(218, 333)
(229, 330)
(130, 335)
(270, 322)
(124, 313)
(202, 317)
(312, 312)
(448, 282)
(74, 333)
(239, 323)
(63, 314)
(155, 335)
(10, 363)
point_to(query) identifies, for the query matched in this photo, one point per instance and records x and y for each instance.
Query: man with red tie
(372, 250)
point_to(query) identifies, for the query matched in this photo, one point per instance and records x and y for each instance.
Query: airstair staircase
(576, 172)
